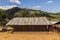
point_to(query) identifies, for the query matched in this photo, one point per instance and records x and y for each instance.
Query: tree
(3, 17)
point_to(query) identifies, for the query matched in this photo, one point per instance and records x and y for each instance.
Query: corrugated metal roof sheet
(53, 22)
(29, 21)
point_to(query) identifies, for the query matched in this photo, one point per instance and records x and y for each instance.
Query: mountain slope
(24, 12)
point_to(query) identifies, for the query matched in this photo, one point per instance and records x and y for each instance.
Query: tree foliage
(3, 17)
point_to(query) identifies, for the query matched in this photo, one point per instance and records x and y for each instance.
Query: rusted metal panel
(54, 22)
(29, 21)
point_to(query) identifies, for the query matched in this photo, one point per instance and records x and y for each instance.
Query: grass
(57, 17)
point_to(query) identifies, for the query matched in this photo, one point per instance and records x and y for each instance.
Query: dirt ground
(29, 36)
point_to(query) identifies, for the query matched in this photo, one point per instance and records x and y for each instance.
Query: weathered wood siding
(32, 28)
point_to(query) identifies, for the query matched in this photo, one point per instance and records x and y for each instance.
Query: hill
(24, 12)
(56, 15)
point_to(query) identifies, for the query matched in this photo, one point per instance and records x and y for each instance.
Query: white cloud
(7, 7)
(36, 7)
(15, 1)
(50, 1)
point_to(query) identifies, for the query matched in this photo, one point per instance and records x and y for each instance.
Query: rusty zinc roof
(54, 22)
(29, 21)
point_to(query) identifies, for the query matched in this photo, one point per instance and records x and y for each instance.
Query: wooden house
(30, 24)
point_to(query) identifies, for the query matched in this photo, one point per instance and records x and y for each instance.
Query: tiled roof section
(29, 21)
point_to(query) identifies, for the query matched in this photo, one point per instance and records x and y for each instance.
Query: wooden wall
(32, 28)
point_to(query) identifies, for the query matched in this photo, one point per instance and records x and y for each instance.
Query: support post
(47, 26)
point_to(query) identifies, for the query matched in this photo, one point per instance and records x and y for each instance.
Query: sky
(44, 5)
